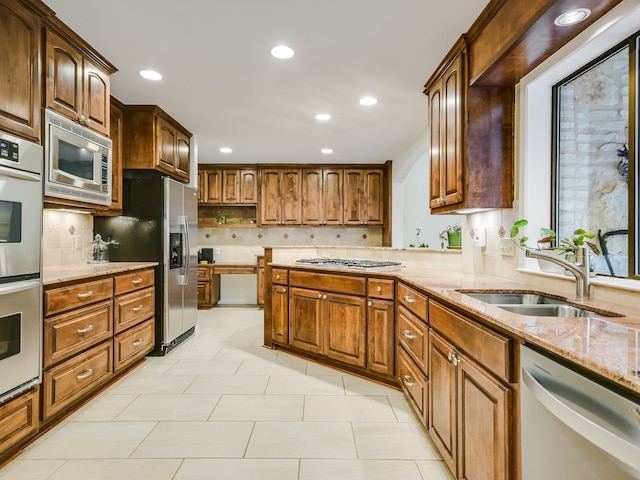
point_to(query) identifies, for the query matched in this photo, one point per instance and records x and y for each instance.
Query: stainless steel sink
(534, 304)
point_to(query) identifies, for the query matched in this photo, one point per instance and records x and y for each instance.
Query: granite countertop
(609, 347)
(82, 271)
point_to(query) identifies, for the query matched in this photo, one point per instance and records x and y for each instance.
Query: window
(595, 113)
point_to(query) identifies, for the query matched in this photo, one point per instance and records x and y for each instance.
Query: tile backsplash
(66, 238)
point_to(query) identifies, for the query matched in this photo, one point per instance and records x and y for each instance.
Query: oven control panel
(9, 150)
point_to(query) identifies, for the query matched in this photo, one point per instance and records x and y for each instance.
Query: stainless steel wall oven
(20, 264)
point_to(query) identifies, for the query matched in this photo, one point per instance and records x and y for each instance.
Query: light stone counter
(609, 347)
(82, 271)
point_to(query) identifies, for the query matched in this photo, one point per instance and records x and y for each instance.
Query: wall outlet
(246, 251)
(78, 240)
(217, 251)
(507, 247)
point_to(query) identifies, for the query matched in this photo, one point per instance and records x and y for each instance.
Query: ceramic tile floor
(221, 406)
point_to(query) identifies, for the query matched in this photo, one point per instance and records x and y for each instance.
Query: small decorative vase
(453, 239)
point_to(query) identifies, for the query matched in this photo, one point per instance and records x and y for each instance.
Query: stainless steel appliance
(574, 428)
(20, 264)
(77, 163)
(160, 224)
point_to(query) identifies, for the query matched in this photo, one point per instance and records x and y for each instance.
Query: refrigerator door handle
(186, 251)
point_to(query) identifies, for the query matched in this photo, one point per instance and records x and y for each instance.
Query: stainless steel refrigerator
(159, 223)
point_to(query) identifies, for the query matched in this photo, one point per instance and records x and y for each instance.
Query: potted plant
(452, 234)
(221, 218)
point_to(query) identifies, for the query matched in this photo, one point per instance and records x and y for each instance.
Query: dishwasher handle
(600, 436)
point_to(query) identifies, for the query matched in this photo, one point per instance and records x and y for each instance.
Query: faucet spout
(580, 269)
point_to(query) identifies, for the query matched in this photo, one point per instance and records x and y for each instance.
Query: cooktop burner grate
(340, 262)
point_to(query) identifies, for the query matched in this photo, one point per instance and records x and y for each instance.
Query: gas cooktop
(340, 262)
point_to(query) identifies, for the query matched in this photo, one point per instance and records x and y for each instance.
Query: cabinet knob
(409, 299)
(407, 381)
(456, 361)
(319, 295)
(284, 289)
(409, 335)
(369, 303)
(277, 277)
(450, 356)
(378, 288)
(324, 297)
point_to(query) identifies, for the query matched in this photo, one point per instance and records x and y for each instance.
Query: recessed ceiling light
(225, 150)
(368, 101)
(150, 75)
(323, 117)
(327, 151)
(282, 51)
(572, 17)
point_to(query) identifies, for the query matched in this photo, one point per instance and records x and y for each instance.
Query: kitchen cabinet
(469, 406)
(20, 83)
(322, 202)
(239, 186)
(260, 280)
(153, 140)
(116, 131)
(364, 197)
(208, 287)
(280, 305)
(93, 328)
(19, 421)
(211, 186)
(471, 144)
(280, 196)
(75, 85)
(380, 330)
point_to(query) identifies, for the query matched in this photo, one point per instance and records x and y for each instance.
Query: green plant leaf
(521, 223)
(523, 241)
(514, 232)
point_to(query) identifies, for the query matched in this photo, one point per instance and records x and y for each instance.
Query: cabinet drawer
(133, 308)
(380, 288)
(128, 282)
(72, 332)
(19, 420)
(133, 344)
(65, 298)
(414, 384)
(329, 282)
(413, 335)
(204, 273)
(279, 275)
(489, 348)
(70, 381)
(414, 301)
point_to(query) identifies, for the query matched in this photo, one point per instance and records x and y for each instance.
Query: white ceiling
(222, 84)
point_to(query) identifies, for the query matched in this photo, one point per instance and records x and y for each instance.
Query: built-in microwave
(77, 161)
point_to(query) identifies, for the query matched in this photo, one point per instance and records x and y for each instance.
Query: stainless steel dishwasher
(572, 427)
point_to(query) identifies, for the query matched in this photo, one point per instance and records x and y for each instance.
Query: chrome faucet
(580, 269)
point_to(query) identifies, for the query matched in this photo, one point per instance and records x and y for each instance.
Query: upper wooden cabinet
(116, 127)
(240, 186)
(20, 82)
(280, 195)
(471, 141)
(153, 140)
(322, 202)
(364, 194)
(75, 86)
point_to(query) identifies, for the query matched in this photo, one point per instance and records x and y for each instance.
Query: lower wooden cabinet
(19, 421)
(414, 384)
(208, 287)
(133, 344)
(71, 380)
(380, 332)
(345, 328)
(280, 314)
(305, 319)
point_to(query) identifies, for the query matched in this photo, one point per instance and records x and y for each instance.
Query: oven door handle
(12, 172)
(602, 437)
(16, 287)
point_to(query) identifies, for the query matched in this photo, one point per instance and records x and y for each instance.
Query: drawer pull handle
(137, 281)
(138, 308)
(284, 289)
(406, 381)
(84, 375)
(409, 299)
(85, 330)
(407, 334)
(138, 342)
(277, 277)
(378, 288)
(88, 294)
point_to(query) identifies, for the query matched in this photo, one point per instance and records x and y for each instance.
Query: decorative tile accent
(312, 236)
(286, 235)
(233, 235)
(364, 236)
(259, 235)
(208, 235)
(502, 232)
(72, 230)
(338, 236)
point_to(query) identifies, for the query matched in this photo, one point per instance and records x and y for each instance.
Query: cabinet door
(270, 197)
(20, 84)
(380, 337)
(312, 198)
(212, 182)
(230, 186)
(332, 206)
(442, 399)
(353, 196)
(63, 77)
(291, 197)
(345, 328)
(305, 319)
(436, 191)
(249, 186)
(96, 98)
(453, 141)
(166, 146)
(183, 159)
(280, 314)
(115, 131)
(373, 197)
(260, 285)
(484, 424)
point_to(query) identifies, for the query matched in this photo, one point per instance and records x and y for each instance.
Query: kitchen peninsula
(433, 335)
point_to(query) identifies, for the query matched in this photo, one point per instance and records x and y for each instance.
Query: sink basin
(515, 298)
(534, 304)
